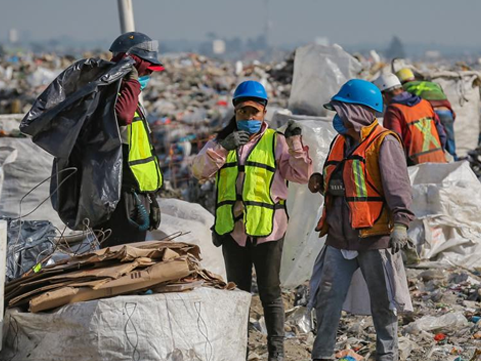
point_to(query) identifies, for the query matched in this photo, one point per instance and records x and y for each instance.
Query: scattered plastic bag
(41, 76)
(28, 243)
(445, 323)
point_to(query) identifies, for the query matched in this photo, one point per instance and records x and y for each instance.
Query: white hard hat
(387, 82)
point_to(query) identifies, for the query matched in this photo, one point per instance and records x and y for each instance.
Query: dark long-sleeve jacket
(395, 181)
(127, 101)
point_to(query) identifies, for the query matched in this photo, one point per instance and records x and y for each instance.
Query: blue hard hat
(358, 91)
(250, 89)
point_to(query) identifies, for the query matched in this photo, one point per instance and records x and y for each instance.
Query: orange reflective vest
(362, 182)
(421, 142)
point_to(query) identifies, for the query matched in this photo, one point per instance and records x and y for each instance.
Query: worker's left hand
(399, 238)
(293, 128)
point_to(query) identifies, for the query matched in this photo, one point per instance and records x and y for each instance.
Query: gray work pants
(335, 280)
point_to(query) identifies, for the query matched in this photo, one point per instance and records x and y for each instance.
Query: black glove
(235, 139)
(154, 213)
(293, 128)
(399, 238)
(133, 75)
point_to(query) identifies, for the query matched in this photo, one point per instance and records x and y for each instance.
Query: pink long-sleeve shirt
(293, 165)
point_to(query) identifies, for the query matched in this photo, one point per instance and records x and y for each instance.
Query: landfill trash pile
(444, 326)
(23, 78)
(161, 266)
(186, 104)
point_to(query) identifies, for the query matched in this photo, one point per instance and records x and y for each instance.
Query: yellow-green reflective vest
(142, 160)
(259, 208)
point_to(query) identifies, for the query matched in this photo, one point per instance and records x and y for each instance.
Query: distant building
(432, 54)
(218, 47)
(13, 36)
(322, 40)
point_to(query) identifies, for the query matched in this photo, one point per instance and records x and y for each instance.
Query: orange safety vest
(423, 138)
(362, 182)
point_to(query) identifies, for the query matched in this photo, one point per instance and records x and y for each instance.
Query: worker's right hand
(235, 139)
(399, 238)
(133, 75)
(315, 183)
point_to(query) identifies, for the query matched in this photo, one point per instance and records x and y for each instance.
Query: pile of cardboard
(160, 266)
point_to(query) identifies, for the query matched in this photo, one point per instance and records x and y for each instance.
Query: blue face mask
(250, 126)
(338, 125)
(144, 80)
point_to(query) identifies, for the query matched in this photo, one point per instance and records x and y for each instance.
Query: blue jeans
(447, 120)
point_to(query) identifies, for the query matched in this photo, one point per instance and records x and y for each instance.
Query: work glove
(293, 128)
(399, 238)
(154, 215)
(315, 184)
(133, 75)
(235, 139)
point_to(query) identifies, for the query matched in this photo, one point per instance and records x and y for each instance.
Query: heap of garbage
(186, 105)
(444, 326)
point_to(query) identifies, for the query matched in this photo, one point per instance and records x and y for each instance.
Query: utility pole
(267, 27)
(126, 16)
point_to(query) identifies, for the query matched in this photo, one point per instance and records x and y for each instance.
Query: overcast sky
(347, 22)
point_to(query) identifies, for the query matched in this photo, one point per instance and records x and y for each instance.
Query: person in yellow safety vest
(414, 120)
(138, 210)
(252, 164)
(367, 195)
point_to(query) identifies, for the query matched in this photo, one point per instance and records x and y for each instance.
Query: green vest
(425, 89)
(259, 208)
(142, 160)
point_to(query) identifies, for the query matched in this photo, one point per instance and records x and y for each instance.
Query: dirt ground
(453, 333)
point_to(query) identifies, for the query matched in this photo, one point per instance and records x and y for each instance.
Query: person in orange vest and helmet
(367, 196)
(414, 121)
(434, 94)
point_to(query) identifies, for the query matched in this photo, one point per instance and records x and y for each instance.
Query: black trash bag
(28, 242)
(74, 120)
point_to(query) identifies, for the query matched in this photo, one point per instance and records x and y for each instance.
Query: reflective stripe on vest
(142, 160)
(362, 181)
(259, 208)
(424, 145)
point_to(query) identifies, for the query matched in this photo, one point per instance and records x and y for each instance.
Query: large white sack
(462, 90)
(178, 215)
(447, 202)
(202, 325)
(31, 166)
(302, 244)
(319, 72)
